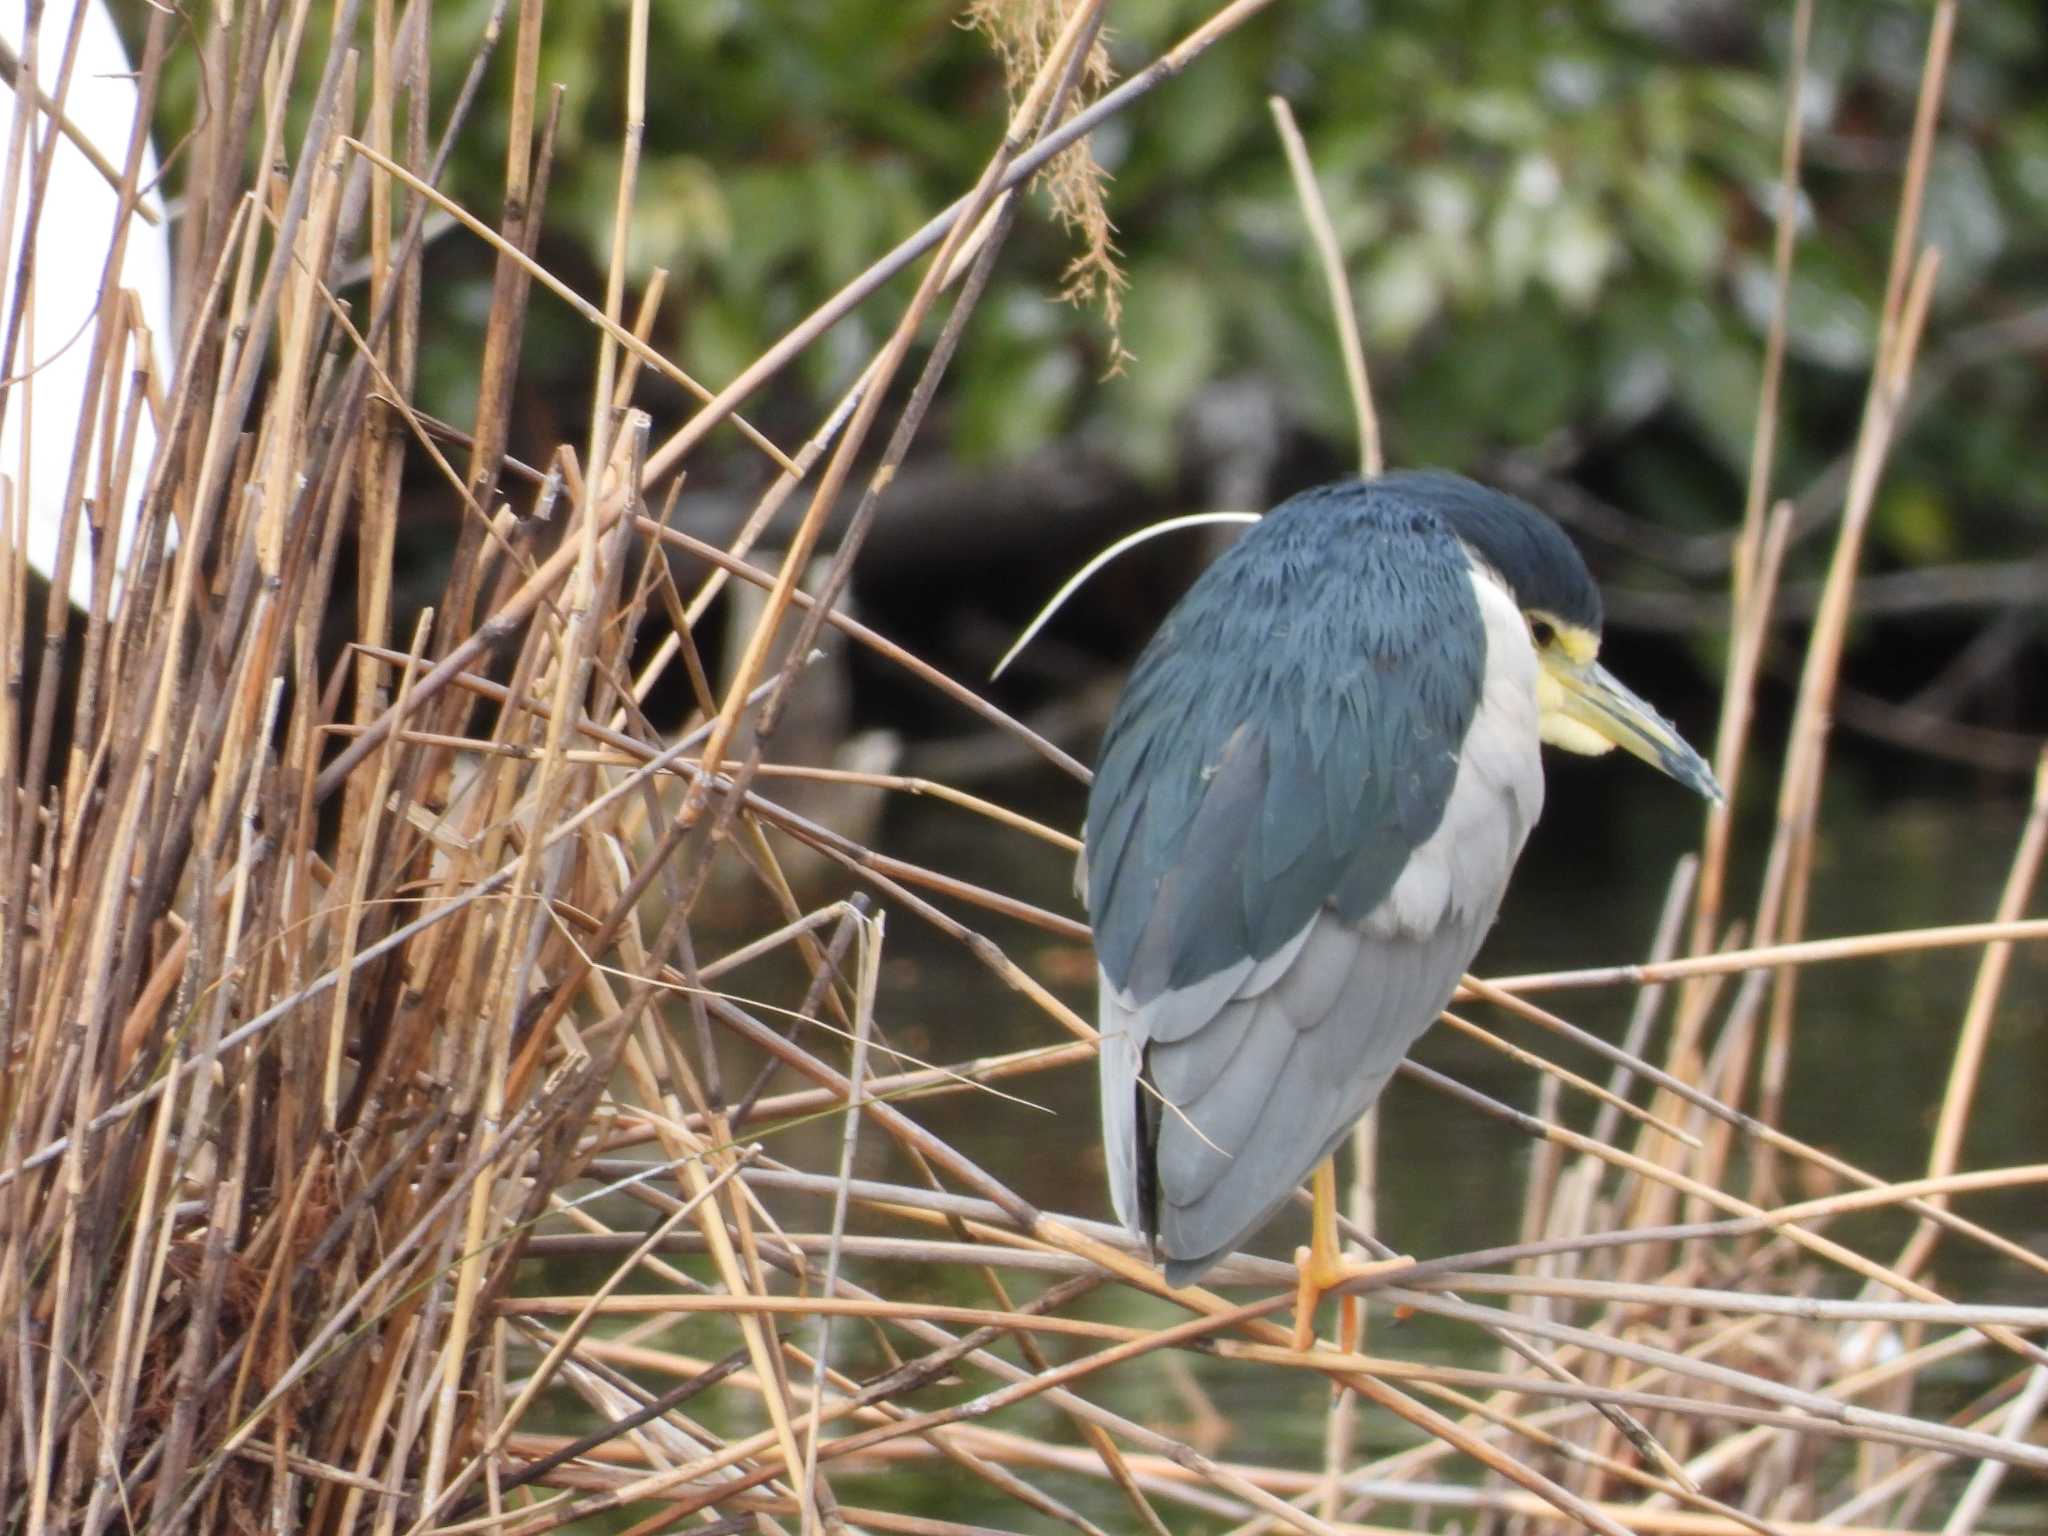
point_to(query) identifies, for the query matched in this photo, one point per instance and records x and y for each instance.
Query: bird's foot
(1322, 1273)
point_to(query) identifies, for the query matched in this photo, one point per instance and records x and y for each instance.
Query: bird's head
(1584, 707)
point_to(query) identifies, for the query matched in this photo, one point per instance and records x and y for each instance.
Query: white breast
(1460, 872)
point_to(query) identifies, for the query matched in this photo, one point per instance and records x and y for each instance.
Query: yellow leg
(1323, 1267)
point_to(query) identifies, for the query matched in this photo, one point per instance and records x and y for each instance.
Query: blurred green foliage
(1557, 219)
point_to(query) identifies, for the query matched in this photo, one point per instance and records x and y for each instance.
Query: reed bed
(384, 1148)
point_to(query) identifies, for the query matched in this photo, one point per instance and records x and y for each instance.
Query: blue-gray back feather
(1287, 738)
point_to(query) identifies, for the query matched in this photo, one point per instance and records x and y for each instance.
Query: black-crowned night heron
(1307, 807)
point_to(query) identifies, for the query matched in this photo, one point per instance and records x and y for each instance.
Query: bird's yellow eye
(1541, 632)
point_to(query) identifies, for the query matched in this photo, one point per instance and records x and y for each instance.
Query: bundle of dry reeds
(350, 1003)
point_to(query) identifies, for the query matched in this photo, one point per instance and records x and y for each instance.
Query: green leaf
(681, 217)
(1962, 218)
(1402, 292)
(1514, 248)
(1914, 523)
(1717, 382)
(1171, 331)
(1678, 218)
(1579, 251)
(1501, 383)
(2023, 164)
(1017, 389)
(1830, 318)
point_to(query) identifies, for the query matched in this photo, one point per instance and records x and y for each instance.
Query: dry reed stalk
(1909, 287)
(1371, 460)
(303, 1116)
(1758, 555)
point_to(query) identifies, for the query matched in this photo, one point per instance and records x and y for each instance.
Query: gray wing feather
(1204, 1138)
(1127, 1028)
(1314, 1076)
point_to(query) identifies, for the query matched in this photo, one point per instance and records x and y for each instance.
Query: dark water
(1872, 1055)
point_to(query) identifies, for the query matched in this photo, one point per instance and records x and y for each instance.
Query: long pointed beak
(1601, 702)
